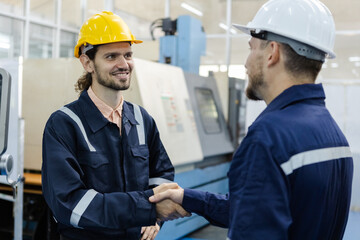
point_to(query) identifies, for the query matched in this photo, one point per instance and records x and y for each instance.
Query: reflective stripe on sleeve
(77, 120)
(140, 127)
(81, 207)
(158, 181)
(314, 156)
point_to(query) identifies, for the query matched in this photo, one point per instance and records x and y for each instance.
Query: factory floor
(209, 232)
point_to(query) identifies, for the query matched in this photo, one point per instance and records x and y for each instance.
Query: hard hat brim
(77, 47)
(242, 28)
(247, 30)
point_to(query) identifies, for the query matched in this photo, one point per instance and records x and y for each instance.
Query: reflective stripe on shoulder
(158, 181)
(314, 156)
(140, 128)
(77, 120)
(81, 206)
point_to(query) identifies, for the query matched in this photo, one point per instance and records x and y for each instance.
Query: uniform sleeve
(213, 207)
(73, 204)
(259, 199)
(161, 168)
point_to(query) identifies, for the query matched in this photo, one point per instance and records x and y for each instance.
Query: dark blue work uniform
(96, 182)
(290, 178)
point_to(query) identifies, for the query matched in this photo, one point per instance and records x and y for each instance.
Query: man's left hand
(149, 232)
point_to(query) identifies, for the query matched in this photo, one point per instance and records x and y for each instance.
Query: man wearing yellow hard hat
(103, 155)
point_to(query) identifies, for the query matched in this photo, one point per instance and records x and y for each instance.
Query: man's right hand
(168, 197)
(165, 186)
(168, 191)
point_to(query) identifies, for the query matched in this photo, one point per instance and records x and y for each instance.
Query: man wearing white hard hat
(291, 176)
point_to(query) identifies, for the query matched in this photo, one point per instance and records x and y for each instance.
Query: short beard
(111, 84)
(255, 83)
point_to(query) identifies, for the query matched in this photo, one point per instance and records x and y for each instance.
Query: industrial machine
(237, 110)
(10, 144)
(183, 44)
(212, 128)
(6, 160)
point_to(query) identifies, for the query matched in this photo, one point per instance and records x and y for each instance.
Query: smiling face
(113, 65)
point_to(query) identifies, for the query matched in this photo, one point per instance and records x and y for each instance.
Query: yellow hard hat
(102, 28)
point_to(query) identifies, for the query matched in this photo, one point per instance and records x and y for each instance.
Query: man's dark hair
(300, 65)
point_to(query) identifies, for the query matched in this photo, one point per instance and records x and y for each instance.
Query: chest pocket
(140, 156)
(97, 171)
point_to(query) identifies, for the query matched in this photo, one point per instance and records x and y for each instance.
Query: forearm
(86, 208)
(213, 207)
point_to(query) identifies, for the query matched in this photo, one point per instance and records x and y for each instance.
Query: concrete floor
(352, 231)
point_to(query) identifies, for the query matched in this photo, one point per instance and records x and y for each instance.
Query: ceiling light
(334, 65)
(354, 59)
(4, 45)
(225, 27)
(348, 32)
(191, 9)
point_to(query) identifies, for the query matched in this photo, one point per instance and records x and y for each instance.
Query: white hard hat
(308, 22)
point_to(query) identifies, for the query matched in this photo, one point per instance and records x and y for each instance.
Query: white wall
(343, 100)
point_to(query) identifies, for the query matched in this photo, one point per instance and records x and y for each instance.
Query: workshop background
(37, 38)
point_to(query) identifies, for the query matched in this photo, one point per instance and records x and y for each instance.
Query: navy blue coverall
(96, 182)
(290, 178)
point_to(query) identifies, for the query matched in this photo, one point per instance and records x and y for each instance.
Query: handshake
(168, 198)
